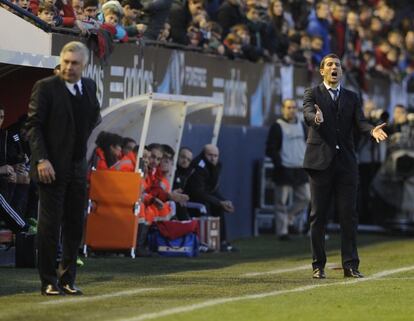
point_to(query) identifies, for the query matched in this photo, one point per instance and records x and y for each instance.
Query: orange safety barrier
(112, 220)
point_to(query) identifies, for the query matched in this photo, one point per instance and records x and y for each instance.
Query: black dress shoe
(319, 273)
(352, 273)
(71, 289)
(52, 290)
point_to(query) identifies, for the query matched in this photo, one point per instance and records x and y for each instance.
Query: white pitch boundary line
(286, 270)
(81, 299)
(205, 304)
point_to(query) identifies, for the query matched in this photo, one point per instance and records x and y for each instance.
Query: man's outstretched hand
(318, 115)
(378, 133)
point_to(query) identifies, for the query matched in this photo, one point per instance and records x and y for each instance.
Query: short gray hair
(76, 46)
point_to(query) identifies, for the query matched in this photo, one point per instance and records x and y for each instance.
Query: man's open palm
(378, 133)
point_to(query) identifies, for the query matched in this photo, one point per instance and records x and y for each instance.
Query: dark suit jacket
(337, 129)
(50, 124)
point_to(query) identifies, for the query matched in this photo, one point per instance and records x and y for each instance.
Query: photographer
(370, 157)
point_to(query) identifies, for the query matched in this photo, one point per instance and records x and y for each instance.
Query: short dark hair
(133, 4)
(46, 7)
(155, 146)
(331, 55)
(127, 140)
(90, 3)
(185, 148)
(167, 149)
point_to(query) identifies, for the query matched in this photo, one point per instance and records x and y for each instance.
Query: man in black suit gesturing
(332, 114)
(63, 111)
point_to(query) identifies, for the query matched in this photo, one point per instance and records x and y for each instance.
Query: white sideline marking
(287, 270)
(182, 309)
(81, 299)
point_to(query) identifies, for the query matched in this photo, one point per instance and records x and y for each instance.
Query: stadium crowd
(370, 36)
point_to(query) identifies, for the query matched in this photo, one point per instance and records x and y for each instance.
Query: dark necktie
(78, 93)
(335, 93)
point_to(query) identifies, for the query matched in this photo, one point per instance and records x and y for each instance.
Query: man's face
(166, 163)
(1, 117)
(212, 155)
(145, 159)
(289, 110)
(78, 7)
(184, 158)
(155, 158)
(195, 6)
(71, 66)
(116, 150)
(400, 115)
(129, 13)
(128, 147)
(90, 12)
(323, 11)
(331, 71)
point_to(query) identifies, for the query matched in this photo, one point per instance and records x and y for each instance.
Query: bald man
(203, 187)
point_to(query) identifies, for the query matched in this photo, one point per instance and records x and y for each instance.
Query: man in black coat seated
(203, 187)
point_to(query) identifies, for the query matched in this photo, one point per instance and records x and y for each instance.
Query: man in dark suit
(332, 114)
(63, 111)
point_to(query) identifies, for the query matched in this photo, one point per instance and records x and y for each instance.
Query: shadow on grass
(101, 269)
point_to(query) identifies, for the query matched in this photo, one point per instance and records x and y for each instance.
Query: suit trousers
(338, 185)
(62, 206)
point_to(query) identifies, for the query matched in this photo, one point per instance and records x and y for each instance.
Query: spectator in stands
(78, 8)
(257, 30)
(203, 187)
(64, 15)
(247, 50)
(90, 9)
(182, 172)
(131, 11)
(286, 145)
(407, 61)
(194, 36)
(230, 14)
(233, 44)
(89, 18)
(279, 28)
(165, 33)
(317, 50)
(213, 43)
(339, 15)
(352, 57)
(299, 49)
(24, 4)
(399, 119)
(110, 17)
(46, 12)
(318, 25)
(300, 11)
(181, 16)
(155, 16)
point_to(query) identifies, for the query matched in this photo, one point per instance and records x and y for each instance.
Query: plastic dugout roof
(155, 118)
